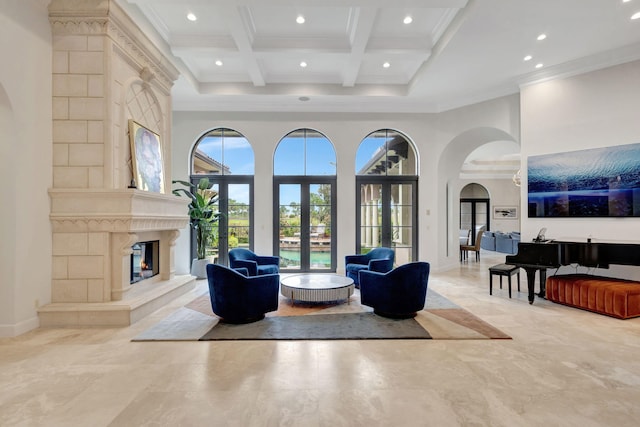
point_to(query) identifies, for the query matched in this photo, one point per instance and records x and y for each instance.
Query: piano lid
(543, 254)
(555, 253)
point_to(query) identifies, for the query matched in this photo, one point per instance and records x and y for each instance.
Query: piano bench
(503, 270)
(604, 295)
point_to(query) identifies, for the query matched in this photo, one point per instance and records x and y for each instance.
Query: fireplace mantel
(116, 211)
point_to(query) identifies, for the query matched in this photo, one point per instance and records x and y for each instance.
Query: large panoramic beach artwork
(600, 182)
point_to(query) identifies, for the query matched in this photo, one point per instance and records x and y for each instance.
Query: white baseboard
(8, 331)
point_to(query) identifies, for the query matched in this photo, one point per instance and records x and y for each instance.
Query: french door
(474, 214)
(387, 208)
(235, 225)
(304, 223)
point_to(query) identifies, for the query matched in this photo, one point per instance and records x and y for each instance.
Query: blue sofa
(488, 241)
(507, 242)
(237, 298)
(399, 293)
(377, 259)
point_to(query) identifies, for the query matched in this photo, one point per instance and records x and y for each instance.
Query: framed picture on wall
(505, 212)
(146, 158)
(594, 182)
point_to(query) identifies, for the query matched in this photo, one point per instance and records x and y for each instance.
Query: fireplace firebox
(145, 260)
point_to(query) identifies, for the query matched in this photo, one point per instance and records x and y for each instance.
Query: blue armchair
(399, 293)
(237, 298)
(377, 259)
(255, 264)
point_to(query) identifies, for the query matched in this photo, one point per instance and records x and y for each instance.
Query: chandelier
(516, 179)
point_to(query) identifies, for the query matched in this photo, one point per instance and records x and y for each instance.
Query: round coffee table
(317, 287)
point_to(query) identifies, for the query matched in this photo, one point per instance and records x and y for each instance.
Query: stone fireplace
(105, 73)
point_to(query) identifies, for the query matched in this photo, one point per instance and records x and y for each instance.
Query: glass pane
(238, 155)
(238, 216)
(212, 243)
(401, 204)
(289, 157)
(402, 214)
(403, 245)
(370, 237)
(370, 215)
(320, 225)
(321, 157)
(465, 215)
(223, 152)
(481, 215)
(371, 155)
(289, 205)
(385, 152)
(305, 152)
(207, 158)
(400, 156)
(402, 236)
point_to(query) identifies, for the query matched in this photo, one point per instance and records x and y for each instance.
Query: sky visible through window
(303, 152)
(237, 154)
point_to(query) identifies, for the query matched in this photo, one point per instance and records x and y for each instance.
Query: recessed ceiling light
(542, 37)
(386, 65)
(300, 19)
(528, 58)
(303, 64)
(626, 1)
(191, 16)
(635, 15)
(407, 19)
(219, 63)
(540, 65)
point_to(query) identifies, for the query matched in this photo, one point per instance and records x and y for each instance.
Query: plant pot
(199, 267)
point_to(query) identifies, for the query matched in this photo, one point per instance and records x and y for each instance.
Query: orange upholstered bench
(605, 295)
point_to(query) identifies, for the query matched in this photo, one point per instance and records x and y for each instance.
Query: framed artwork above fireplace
(146, 158)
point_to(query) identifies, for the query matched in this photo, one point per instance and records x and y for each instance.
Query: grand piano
(541, 255)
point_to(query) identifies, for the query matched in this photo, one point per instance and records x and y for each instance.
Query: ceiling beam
(363, 20)
(240, 30)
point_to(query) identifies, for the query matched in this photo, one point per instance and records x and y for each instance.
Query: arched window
(305, 202)
(386, 152)
(223, 152)
(387, 184)
(305, 152)
(226, 158)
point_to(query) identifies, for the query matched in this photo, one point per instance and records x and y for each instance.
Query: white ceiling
(455, 52)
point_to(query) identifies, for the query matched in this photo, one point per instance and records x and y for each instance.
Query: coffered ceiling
(246, 55)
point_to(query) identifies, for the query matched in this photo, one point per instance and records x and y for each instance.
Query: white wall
(25, 163)
(431, 133)
(461, 131)
(592, 110)
(264, 131)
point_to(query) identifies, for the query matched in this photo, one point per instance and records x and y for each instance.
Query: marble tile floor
(564, 367)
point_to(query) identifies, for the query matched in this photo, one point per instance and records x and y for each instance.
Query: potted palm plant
(203, 216)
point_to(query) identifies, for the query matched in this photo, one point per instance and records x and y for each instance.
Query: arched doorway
(452, 180)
